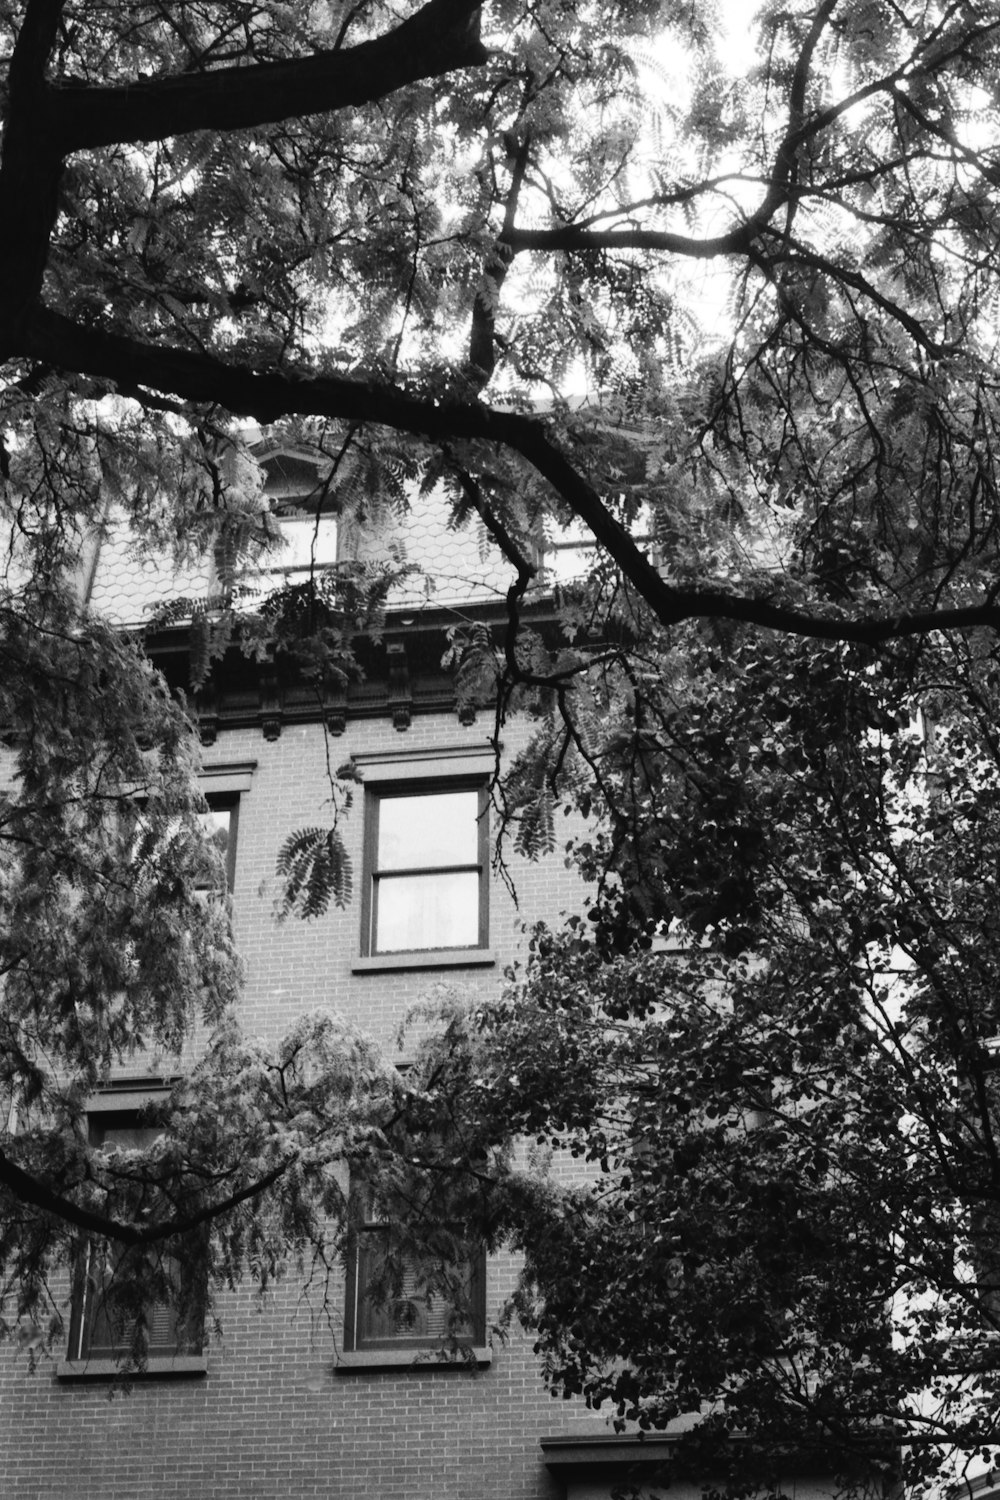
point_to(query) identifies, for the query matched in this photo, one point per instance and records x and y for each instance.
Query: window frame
(575, 539)
(410, 788)
(293, 517)
(298, 488)
(403, 1346)
(184, 1353)
(227, 802)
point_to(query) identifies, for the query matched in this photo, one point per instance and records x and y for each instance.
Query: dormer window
(303, 505)
(569, 554)
(310, 543)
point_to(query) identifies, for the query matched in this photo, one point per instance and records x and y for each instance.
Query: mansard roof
(441, 565)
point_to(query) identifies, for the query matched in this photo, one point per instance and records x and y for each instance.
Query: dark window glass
(403, 1310)
(100, 1327)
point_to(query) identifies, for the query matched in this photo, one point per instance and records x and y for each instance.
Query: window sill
(179, 1367)
(358, 1361)
(432, 958)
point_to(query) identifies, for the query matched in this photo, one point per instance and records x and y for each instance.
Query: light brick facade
(272, 1418)
(277, 1414)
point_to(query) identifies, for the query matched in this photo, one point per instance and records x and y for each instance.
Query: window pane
(414, 1316)
(216, 824)
(437, 829)
(108, 1333)
(129, 1137)
(570, 552)
(569, 561)
(427, 911)
(219, 824)
(309, 542)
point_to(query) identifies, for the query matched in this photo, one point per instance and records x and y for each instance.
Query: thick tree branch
(570, 237)
(34, 43)
(745, 239)
(196, 377)
(28, 1189)
(482, 336)
(786, 162)
(442, 36)
(29, 178)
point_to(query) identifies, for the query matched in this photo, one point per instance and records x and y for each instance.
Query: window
(221, 822)
(103, 1322)
(433, 1307)
(426, 864)
(223, 785)
(307, 514)
(310, 543)
(570, 554)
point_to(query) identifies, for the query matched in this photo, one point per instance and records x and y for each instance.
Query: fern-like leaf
(315, 869)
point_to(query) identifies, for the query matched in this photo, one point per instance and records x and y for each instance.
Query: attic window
(569, 553)
(307, 513)
(310, 543)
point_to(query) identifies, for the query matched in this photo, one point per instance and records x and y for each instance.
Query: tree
(787, 1105)
(372, 218)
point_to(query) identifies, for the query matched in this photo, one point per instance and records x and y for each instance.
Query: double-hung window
(426, 868)
(104, 1319)
(408, 1304)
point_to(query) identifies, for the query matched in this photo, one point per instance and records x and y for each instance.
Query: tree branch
(196, 377)
(29, 178)
(442, 36)
(482, 336)
(569, 237)
(29, 1190)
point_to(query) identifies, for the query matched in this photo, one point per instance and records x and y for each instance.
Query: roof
(442, 565)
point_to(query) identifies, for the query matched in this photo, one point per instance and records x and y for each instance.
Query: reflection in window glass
(414, 1316)
(216, 823)
(219, 822)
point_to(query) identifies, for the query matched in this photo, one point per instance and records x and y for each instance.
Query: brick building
(278, 1405)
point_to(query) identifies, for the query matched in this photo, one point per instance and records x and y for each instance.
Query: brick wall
(272, 1420)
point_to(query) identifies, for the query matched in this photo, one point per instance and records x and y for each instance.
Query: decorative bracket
(400, 696)
(208, 714)
(270, 706)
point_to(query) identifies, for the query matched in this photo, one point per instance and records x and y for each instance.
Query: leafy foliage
(771, 1045)
(316, 869)
(571, 265)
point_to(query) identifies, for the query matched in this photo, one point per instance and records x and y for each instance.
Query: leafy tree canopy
(575, 265)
